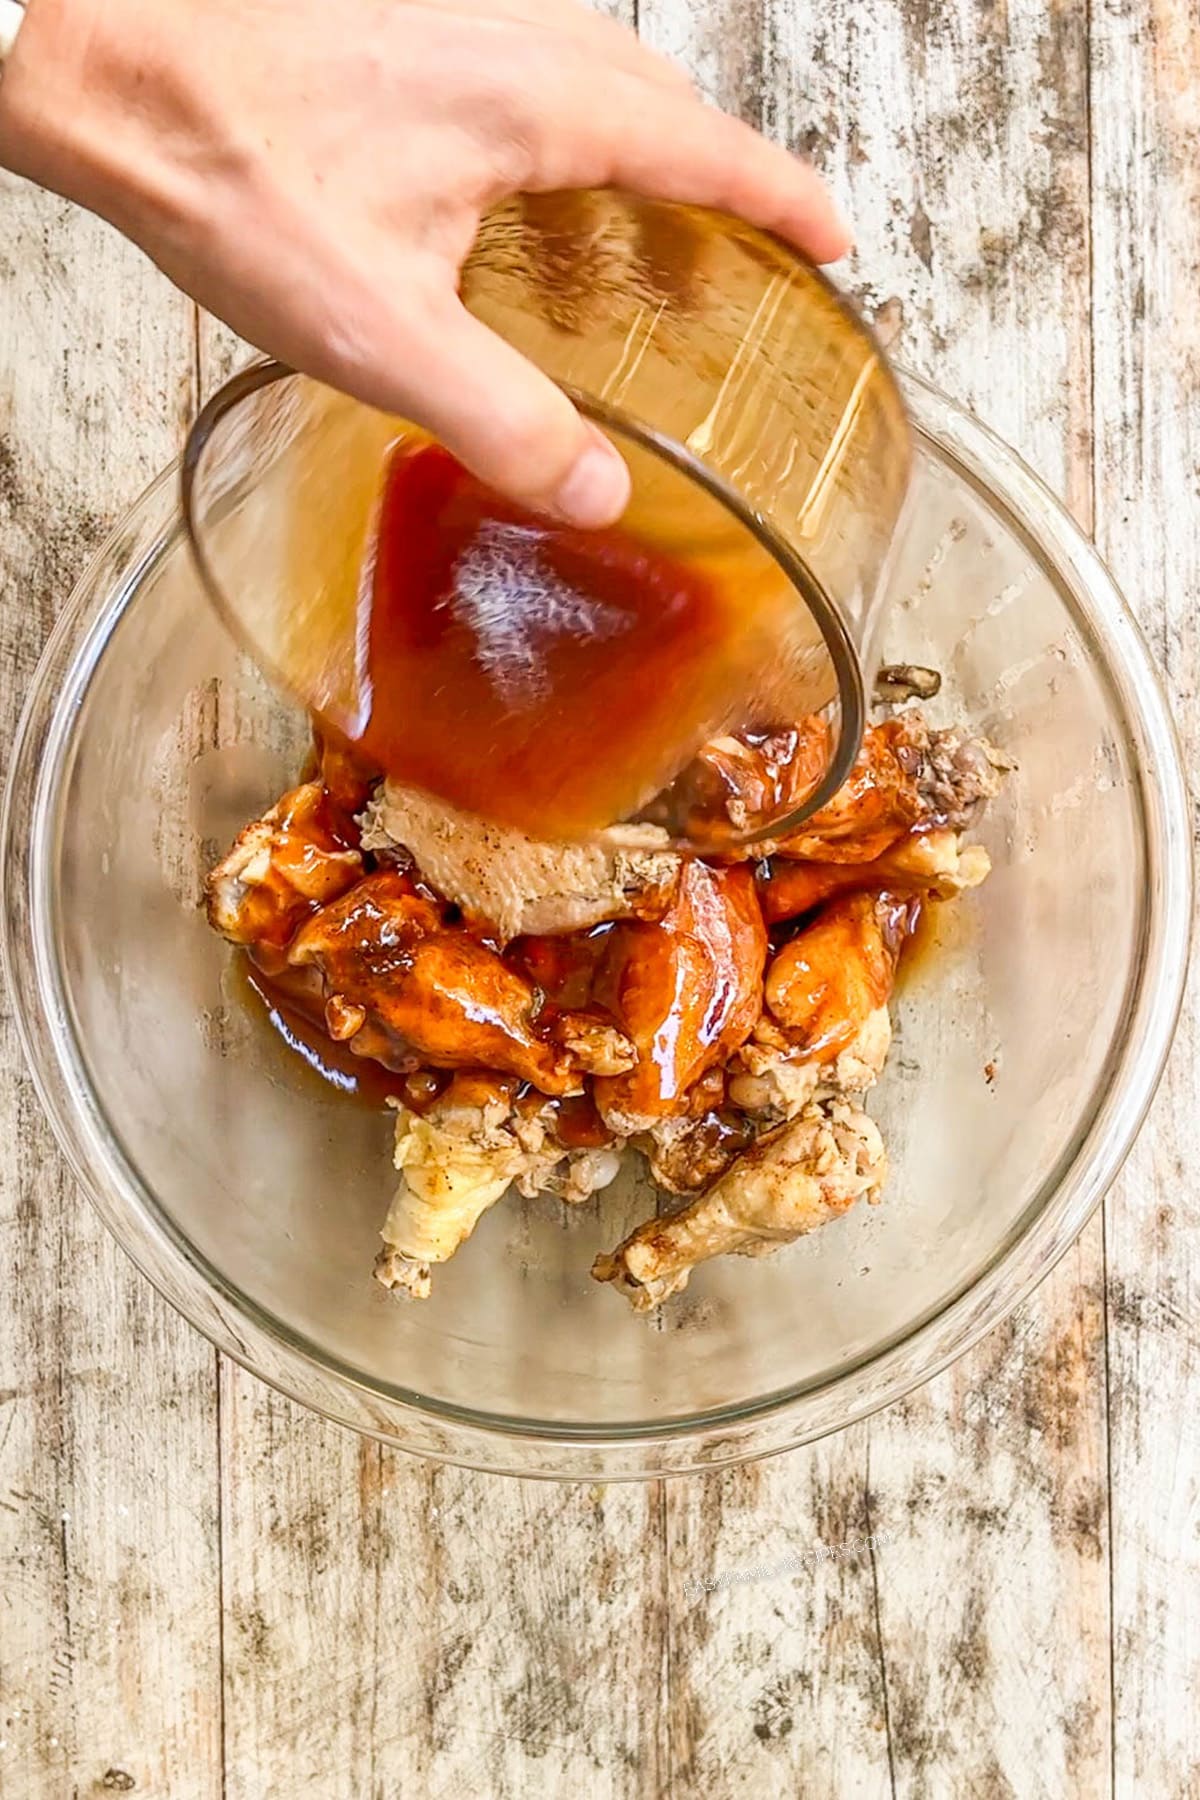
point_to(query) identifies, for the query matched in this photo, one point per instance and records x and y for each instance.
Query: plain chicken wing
(514, 883)
(788, 1183)
(770, 1081)
(458, 1155)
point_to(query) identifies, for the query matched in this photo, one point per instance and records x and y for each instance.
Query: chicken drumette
(686, 991)
(789, 1182)
(410, 990)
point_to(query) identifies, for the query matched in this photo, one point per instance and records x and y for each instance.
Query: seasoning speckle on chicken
(458, 1156)
(549, 1009)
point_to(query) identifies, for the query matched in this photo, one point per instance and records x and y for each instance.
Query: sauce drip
(544, 677)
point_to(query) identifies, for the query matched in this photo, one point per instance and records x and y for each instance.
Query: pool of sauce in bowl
(544, 677)
(307, 1045)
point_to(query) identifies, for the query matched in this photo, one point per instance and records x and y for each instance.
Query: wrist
(72, 112)
(42, 84)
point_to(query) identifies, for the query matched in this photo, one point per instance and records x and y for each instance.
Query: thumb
(510, 424)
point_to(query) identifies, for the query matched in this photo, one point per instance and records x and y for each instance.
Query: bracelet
(12, 12)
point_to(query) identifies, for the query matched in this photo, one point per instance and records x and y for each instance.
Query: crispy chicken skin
(409, 990)
(685, 990)
(791, 1181)
(282, 867)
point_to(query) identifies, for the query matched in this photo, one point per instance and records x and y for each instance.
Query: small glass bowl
(764, 433)
(1027, 1050)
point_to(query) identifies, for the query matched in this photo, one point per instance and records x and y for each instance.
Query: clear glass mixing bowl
(1027, 1050)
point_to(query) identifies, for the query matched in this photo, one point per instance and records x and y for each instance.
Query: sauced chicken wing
(282, 867)
(930, 862)
(459, 1154)
(686, 991)
(824, 984)
(789, 1182)
(407, 989)
(907, 774)
(770, 1079)
(738, 784)
(618, 995)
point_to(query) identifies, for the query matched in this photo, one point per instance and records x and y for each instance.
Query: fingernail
(596, 491)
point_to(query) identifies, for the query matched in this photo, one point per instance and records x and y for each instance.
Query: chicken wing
(515, 883)
(907, 774)
(687, 1154)
(458, 1155)
(737, 785)
(770, 1080)
(925, 862)
(686, 991)
(788, 1183)
(824, 984)
(282, 867)
(404, 987)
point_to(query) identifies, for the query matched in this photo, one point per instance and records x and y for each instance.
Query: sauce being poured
(541, 676)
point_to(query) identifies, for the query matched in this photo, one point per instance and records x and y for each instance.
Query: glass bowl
(1027, 1050)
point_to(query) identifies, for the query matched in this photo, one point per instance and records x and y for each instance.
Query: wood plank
(393, 1627)
(109, 1616)
(1146, 211)
(957, 138)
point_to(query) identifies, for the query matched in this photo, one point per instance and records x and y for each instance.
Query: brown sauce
(541, 676)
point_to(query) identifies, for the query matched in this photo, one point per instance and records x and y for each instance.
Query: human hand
(315, 174)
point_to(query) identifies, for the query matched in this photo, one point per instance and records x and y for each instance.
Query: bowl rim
(269, 1348)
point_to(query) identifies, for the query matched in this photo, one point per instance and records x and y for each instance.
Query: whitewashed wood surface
(205, 1592)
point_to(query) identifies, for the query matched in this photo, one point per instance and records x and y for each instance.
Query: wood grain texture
(1146, 224)
(987, 1590)
(109, 1606)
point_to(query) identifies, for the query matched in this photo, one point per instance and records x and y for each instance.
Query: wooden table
(204, 1591)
